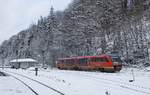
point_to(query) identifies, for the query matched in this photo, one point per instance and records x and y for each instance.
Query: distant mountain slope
(86, 27)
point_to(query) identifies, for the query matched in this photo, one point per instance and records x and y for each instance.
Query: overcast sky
(16, 15)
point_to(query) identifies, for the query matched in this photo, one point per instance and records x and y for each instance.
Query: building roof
(23, 60)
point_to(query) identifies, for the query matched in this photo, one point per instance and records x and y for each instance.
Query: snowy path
(92, 83)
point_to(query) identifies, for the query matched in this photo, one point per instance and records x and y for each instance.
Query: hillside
(86, 27)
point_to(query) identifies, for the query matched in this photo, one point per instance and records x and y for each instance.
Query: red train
(104, 62)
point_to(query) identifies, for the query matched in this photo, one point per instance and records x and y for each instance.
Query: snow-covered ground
(10, 86)
(79, 82)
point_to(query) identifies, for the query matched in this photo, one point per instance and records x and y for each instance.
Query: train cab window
(116, 59)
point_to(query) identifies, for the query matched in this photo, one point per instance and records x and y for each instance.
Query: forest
(86, 27)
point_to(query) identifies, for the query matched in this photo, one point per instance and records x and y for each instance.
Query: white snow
(88, 83)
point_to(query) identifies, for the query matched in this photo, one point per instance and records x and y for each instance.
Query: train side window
(62, 61)
(59, 61)
(67, 61)
(104, 60)
(99, 60)
(93, 60)
(83, 60)
(96, 60)
(72, 61)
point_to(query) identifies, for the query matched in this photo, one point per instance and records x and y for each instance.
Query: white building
(23, 63)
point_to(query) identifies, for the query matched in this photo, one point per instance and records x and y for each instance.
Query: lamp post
(2, 56)
(2, 63)
(43, 58)
(133, 77)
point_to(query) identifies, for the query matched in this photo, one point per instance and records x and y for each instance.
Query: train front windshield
(116, 59)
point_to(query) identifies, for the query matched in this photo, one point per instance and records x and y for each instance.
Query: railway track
(2, 74)
(52, 90)
(35, 93)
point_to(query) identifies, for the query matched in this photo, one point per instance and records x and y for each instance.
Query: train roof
(80, 57)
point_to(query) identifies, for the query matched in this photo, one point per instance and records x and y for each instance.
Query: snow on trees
(86, 27)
